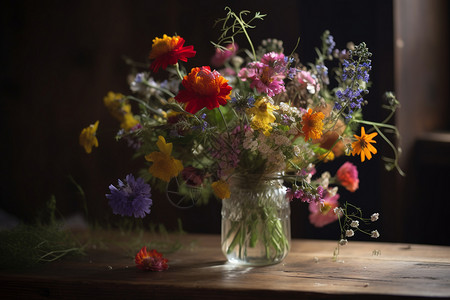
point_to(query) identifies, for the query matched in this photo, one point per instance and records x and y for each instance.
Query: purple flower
(130, 198)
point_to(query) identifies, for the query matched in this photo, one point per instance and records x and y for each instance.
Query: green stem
(177, 67)
(169, 93)
(146, 105)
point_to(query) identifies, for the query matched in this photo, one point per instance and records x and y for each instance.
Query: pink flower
(347, 175)
(322, 214)
(221, 56)
(274, 60)
(263, 78)
(307, 81)
(192, 176)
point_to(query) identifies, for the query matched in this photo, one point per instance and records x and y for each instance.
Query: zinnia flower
(347, 175)
(323, 213)
(203, 88)
(130, 198)
(362, 146)
(164, 165)
(88, 138)
(312, 124)
(168, 50)
(221, 189)
(150, 260)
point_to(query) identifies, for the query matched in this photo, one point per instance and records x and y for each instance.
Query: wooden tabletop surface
(364, 270)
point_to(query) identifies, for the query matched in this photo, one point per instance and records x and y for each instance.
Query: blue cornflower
(240, 104)
(130, 198)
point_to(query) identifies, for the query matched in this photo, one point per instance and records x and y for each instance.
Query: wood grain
(199, 271)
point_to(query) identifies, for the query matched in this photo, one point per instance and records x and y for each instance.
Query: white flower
(237, 61)
(349, 233)
(343, 242)
(326, 175)
(325, 178)
(338, 211)
(284, 107)
(354, 224)
(333, 191)
(374, 217)
(375, 234)
(308, 178)
(297, 150)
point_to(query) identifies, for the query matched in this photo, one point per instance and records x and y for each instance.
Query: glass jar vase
(256, 224)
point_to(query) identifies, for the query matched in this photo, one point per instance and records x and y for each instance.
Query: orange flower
(203, 88)
(362, 145)
(150, 260)
(312, 124)
(221, 189)
(168, 50)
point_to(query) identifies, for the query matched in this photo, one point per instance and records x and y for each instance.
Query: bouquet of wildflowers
(256, 111)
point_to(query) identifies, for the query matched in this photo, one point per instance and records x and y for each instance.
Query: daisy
(362, 146)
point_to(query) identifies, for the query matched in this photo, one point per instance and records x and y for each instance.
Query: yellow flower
(88, 138)
(362, 145)
(312, 124)
(127, 120)
(262, 115)
(120, 109)
(221, 189)
(113, 101)
(164, 165)
(327, 156)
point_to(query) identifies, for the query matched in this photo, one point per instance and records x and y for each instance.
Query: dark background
(60, 58)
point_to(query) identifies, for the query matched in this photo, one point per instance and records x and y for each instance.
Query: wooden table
(199, 271)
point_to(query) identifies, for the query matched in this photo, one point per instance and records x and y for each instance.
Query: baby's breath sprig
(350, 220)
(237, 26)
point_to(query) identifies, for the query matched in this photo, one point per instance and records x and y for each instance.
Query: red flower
(347, 175)
(168, 50)
(150, 260)
(203, 88)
